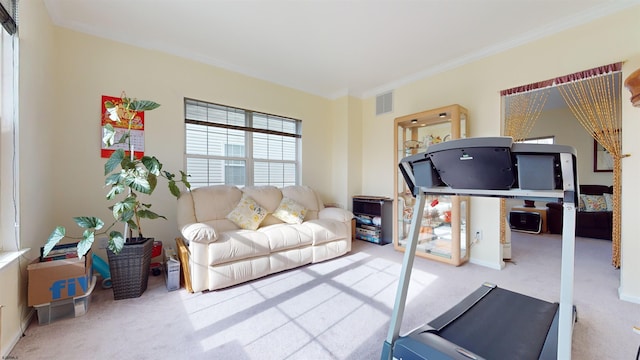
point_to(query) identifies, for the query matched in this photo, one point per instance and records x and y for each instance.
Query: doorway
(581, 110)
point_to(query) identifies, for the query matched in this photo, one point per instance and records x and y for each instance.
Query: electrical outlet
(477, 236)
(103, 243)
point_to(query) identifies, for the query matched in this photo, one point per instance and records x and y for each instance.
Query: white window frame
(241, 121)
(9, 184)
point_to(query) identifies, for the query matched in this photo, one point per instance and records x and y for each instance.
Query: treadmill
(491, 322)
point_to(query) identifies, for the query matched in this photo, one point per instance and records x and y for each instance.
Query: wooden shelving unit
(444, 235)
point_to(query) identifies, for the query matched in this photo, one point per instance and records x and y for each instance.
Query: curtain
(523, 107)
(595, 101)
(594, 98)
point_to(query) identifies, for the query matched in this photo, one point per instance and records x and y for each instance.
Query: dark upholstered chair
(591, 224)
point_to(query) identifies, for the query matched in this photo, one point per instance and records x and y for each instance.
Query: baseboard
(632, 299)
(487, 264)
(14, 340)
(506, 251)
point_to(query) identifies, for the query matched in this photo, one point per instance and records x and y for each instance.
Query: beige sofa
(223, 254)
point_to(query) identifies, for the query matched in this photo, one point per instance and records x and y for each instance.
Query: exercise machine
(491, 322)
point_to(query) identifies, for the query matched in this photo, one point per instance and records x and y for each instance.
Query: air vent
(384, 103)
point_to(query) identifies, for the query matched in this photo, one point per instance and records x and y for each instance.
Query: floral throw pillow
(594, 202)
(608, 198)
(248, 214)
(290, 211)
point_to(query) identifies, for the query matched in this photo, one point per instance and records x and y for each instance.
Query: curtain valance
(580, 75)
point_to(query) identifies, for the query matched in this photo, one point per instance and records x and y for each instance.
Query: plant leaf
(152, 164)
(56, 235)
(116, 242)
(108, 135)
(115, 190)
(173, 188)
(89, 222)
(139, 184)
(123, 210)
(112, 179)
(148, 214)
(142, 105)
(84, 245)
(114, 161)
(185, 179)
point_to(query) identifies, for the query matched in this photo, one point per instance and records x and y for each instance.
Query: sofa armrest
(335, 213)
(199, 232)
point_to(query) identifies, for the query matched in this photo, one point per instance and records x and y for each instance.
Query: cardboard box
(171, 269)
(59, 279)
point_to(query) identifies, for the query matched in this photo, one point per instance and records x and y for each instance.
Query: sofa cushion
(290, 211)
(306, 197)
(285, 236)
(324, 230)
(594, 202)
(237, 245)
(248, 214)
(214, 202)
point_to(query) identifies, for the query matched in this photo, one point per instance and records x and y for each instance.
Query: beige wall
(107, 68)
(64, 73)
(567, 131)
(476, 86)
(36, 162)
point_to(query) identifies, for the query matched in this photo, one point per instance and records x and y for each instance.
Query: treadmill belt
(503, 325)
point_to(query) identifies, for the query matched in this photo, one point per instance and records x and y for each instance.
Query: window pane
(234, 172)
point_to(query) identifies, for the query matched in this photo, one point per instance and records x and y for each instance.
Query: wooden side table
(538, 209)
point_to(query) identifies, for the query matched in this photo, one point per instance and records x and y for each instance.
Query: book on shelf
(63, 251)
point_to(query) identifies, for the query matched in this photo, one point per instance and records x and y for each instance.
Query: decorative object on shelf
(529, 203)
(128, 176)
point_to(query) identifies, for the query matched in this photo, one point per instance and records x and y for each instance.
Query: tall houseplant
(126, 178)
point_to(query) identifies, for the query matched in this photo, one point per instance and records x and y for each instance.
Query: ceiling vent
(384, 103)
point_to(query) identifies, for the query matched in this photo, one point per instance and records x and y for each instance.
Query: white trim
(624, 297)
(7, 257)
(490, 265)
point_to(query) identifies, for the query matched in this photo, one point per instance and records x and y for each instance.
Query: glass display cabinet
(443, 235)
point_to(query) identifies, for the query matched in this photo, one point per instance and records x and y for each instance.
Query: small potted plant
(126, 178)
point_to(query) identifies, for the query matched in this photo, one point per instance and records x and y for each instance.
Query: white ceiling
(329, 48)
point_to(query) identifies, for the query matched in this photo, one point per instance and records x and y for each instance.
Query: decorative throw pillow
(608, 198)
(290, 211)
(247, 214)
(594, 202)
(581, 205)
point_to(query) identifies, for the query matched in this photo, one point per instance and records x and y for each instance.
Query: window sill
(7, 257)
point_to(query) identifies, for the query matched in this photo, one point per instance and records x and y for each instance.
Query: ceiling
(329, 48)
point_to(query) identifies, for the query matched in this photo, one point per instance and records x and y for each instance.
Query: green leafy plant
(126, 178)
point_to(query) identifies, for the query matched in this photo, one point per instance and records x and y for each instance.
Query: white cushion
(199, 232)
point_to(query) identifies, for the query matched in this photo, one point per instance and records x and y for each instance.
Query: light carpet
(338, 309)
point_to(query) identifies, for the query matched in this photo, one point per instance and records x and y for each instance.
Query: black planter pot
(130, 268)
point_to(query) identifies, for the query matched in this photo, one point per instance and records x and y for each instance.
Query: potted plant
(126, 178)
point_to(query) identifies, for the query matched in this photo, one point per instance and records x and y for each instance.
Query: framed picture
(602, 160)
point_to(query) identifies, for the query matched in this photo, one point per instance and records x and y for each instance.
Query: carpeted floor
(338, 309)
